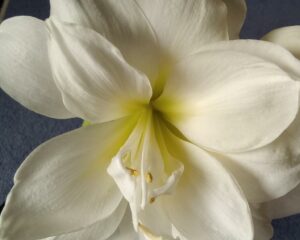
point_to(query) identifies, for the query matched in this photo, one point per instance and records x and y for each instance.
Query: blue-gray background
(21, 130)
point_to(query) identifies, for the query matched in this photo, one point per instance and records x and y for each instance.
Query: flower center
(143, 169)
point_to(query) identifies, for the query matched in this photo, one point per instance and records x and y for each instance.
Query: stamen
(133, 172)
(147, 232)
(149, 177)
(152, 200)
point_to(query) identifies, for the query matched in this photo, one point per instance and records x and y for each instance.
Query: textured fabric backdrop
(21, 130)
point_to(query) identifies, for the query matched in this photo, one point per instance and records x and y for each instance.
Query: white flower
(287, 37)
(194, 132)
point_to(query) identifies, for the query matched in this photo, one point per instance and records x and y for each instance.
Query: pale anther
(148, 232)
(133, 172)
(149, 177)
(152, 200)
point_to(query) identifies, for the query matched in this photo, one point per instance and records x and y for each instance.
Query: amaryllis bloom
(188, 135)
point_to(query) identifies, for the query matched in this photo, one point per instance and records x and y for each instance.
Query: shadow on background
(1, 207)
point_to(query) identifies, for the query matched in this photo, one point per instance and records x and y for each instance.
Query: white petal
(96, 83)
(269, 172)
(229, 101)
(184, 26)
(273, 170)
(236, 16)
(268, 51)
(287, 205)
(287, 37)
(125, 231)
(63, 185)
(24, 67)
(207, 201)
(153, 220)
(101, 230)
(146, 234)
(122, 23)
(263, 229)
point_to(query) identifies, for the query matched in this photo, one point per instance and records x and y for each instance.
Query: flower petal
(287, 37)
(285, 206)
(25, 71)
(63, 185)
(262, 225)
(268, 51)
(269, 172)
(229, 101)
(154, 221)
(101, 230)
(125, 231)
(236, 16)
(207, 201)
(120, 22)
(96, 83)
(183, 26)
